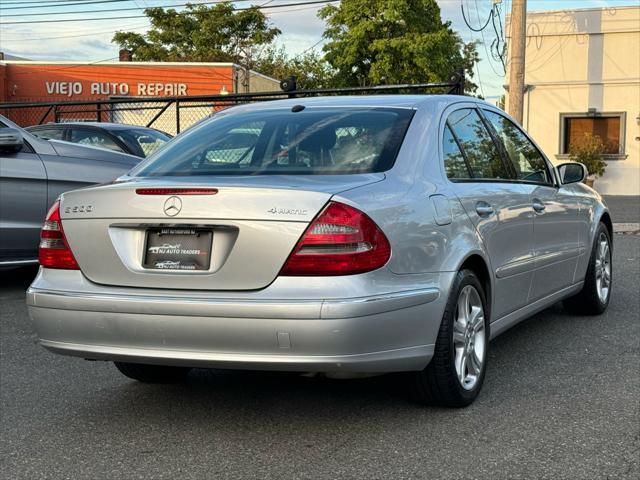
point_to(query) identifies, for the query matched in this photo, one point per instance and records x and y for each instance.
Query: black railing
(173, 114)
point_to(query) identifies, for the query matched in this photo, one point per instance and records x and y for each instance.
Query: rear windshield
(313, 141)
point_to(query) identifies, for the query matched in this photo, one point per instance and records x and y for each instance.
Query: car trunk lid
(236, 237)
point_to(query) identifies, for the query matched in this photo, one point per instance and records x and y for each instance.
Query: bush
(589, 150)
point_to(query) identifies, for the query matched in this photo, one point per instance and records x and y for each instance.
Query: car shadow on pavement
(17, 277)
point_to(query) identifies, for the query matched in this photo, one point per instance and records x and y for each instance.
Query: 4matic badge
(287, 211)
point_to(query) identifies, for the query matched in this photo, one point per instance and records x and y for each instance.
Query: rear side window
(478, 148)
(94, 138)
(313, 141)
(142, 142)
(49, 133)
(527, 161)
(454, 163)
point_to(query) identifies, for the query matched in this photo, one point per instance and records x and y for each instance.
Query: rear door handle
(484, 209)
(538, 206)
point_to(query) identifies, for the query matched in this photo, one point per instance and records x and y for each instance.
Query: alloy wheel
(603, 268)
(469, 337)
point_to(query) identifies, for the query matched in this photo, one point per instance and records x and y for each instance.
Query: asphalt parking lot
(561, 400)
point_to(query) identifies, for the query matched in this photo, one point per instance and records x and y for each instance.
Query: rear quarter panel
(403, 204)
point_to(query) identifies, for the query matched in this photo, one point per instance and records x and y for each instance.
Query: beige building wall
(262, 83)
(586, 62)
(257, 81)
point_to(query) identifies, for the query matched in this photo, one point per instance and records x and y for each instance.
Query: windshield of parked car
(308, 141)
(142, 142)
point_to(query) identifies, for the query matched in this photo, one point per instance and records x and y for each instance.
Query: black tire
(438, 383)
(152, 373)
(588, 301)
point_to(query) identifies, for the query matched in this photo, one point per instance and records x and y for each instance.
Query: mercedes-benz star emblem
(172, 206)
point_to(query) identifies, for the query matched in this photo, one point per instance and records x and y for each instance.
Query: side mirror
(572, 172)
(11, 140)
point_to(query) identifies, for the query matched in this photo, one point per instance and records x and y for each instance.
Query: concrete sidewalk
(624, 209)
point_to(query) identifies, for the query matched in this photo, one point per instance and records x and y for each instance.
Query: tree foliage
(369, 42)
(200, 33)
(393, 41)
(310, 68)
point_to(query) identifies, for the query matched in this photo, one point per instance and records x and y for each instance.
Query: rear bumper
(393, 331)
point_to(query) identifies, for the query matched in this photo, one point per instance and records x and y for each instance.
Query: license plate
(178, 249)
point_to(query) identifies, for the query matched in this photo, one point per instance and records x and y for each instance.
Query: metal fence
(174, 114)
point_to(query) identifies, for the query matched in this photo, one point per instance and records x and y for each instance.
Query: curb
(627, 228)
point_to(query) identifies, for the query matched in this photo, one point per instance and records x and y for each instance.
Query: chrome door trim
(533, 263)
(515, 268)
(555, 257)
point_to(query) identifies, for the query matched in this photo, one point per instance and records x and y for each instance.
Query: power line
(59, 4)
(310, 48)
(496, 43)
(91, 19)
(22, 2)
(499, 38)
(40, 2)
(89, 34)
(111, 9)
(93, 32)
(464, 17)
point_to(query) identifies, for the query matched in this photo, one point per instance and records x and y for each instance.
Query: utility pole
(245, 62)
(518, 25)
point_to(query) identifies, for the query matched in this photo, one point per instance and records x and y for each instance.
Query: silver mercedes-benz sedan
(337, 235)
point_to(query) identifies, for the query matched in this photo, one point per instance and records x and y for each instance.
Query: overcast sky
(301, 29)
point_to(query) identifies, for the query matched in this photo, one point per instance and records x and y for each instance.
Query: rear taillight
(340, 241)
(54, 250)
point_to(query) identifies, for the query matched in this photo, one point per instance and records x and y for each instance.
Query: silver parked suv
(340, 234)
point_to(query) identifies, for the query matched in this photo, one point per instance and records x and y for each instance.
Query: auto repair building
(34, 81)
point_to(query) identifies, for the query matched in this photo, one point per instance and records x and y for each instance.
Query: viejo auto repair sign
(28, 81)
(146, 89)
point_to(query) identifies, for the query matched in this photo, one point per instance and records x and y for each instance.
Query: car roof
(104, 125)
(392, 101)
(431, 105)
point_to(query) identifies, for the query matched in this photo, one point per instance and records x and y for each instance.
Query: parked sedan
(131, 139)
(33, 173)
(354, 235)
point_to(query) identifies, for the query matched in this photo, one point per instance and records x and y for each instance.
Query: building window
(609, 127)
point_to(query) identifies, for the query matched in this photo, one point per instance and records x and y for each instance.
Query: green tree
(201, 33)
(310, 68)
(393, 41)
